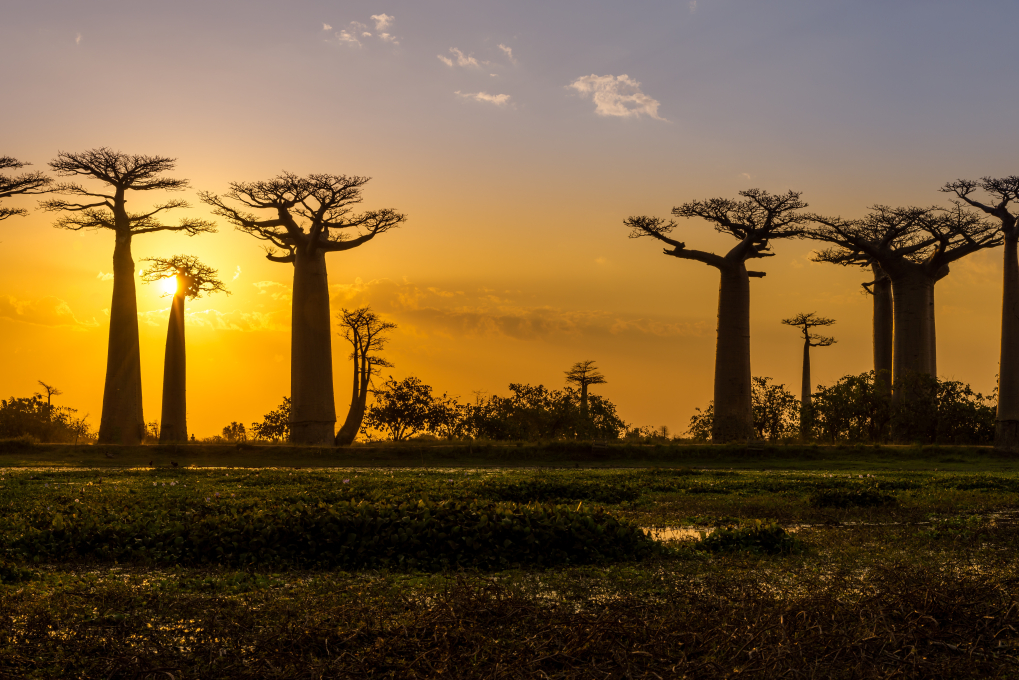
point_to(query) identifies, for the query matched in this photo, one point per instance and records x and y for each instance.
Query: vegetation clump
(863, 497)
(760, 538)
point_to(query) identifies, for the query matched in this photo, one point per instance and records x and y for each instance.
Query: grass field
(904, 564)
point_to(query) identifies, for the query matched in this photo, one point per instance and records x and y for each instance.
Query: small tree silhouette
(25, 183)
(235, 432)
(365, 331)
(805, 322)
(193, 279)
(583, 374)
(106, 208)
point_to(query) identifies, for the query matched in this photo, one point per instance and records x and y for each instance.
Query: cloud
(104, 277)
(277, 291)
(461, 59)
(509, 52)
(47, 311)
(326, 27)
(77, 39)
(382, 21)
(348, 37)
(616, 96)
(693, 6)
(497, 99)
(237, 273)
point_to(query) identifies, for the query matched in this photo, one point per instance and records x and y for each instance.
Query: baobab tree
(1002, 191)
(309, 217)
(193, 279)
(754, 221)
(26, 183)
(584, 374)
(805, 322)
(883, 324)
(106, 208)
(913, 247)
(365, 331)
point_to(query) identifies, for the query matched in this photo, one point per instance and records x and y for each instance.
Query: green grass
(923, 585)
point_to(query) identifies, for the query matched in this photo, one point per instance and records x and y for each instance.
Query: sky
(516, 137)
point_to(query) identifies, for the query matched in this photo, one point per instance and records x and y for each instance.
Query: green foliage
(402, 408)
(943, 412)
(34, 417)
(235, 432)
(275, 426)
(776, 413)
(860, 497)
(767, 539)
(854, 409)
(11, 574)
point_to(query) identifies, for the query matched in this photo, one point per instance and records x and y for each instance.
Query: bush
(767, 539)
(851, 498)
(407, 531)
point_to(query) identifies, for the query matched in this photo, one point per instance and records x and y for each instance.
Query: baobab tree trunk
(358, 401)
(173, 422)
(733, 415)
(883, 325)
(1006, 431)
(313, 411)
(122, 421)
(913, 292)
(806, 407)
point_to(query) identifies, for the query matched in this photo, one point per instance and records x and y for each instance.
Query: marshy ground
(899, 569)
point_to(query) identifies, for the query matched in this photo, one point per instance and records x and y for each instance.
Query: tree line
(906, 251)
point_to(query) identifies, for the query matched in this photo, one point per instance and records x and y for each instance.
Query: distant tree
(583, 374)
(401, 409)
(193, 279)
(106, 208)
(307, 218)
(857, 408)
(34, 417)
(755, 221)
(275, 425)
(805, 322)
(775, 413)
(26, 184)
(365, 331)
(914, 247)
(235, 432)
(1002, 191)
(151, 432)
(51, 392)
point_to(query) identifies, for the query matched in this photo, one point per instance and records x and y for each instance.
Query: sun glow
(168, 286)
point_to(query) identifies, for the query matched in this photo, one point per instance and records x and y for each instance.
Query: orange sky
(514, 262)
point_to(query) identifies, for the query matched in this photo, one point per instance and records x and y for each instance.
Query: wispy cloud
(77, 39)
(382, 21)
(47, 311)
(619, 96)
(497, 99)
(509, 53)
(104, 277)
(326, 27)
(356, 30)
(237, 273)
(461, 59)
(693, 6)
(277, 291)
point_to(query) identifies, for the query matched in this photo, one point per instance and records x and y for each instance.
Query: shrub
(851, 498)
(768, 539)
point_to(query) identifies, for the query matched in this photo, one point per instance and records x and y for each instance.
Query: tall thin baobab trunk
(173, 423)
(122, 421)
(1006, 434)
(883, 328)
(806, 405)
(733, 406)
(358, 400)
(313, 410)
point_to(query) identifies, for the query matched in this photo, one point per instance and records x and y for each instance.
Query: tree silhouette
(913, 247)
(754, 222)
(583, 374)
(365, 331)
(883, 326)
(26, 183)
(235, 432)
(805, 322)
(309, 217)
(1002, 191)
(193, 279)
(106, 208)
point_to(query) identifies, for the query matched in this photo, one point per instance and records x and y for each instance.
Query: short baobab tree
(366, 332)
(755, 221)
(804, 322)
(913, 247)
(583, 374)
(193, 279)
(1002, 191)
(307, 218)
(118, 175)
(26, 183)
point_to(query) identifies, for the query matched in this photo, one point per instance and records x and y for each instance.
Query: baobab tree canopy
(194, 278)
(309, 217)
(913, 246)
(754, 221)
(106, 208)
(1002, 191)
(26, 183)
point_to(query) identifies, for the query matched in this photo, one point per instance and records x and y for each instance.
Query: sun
(169, 285)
